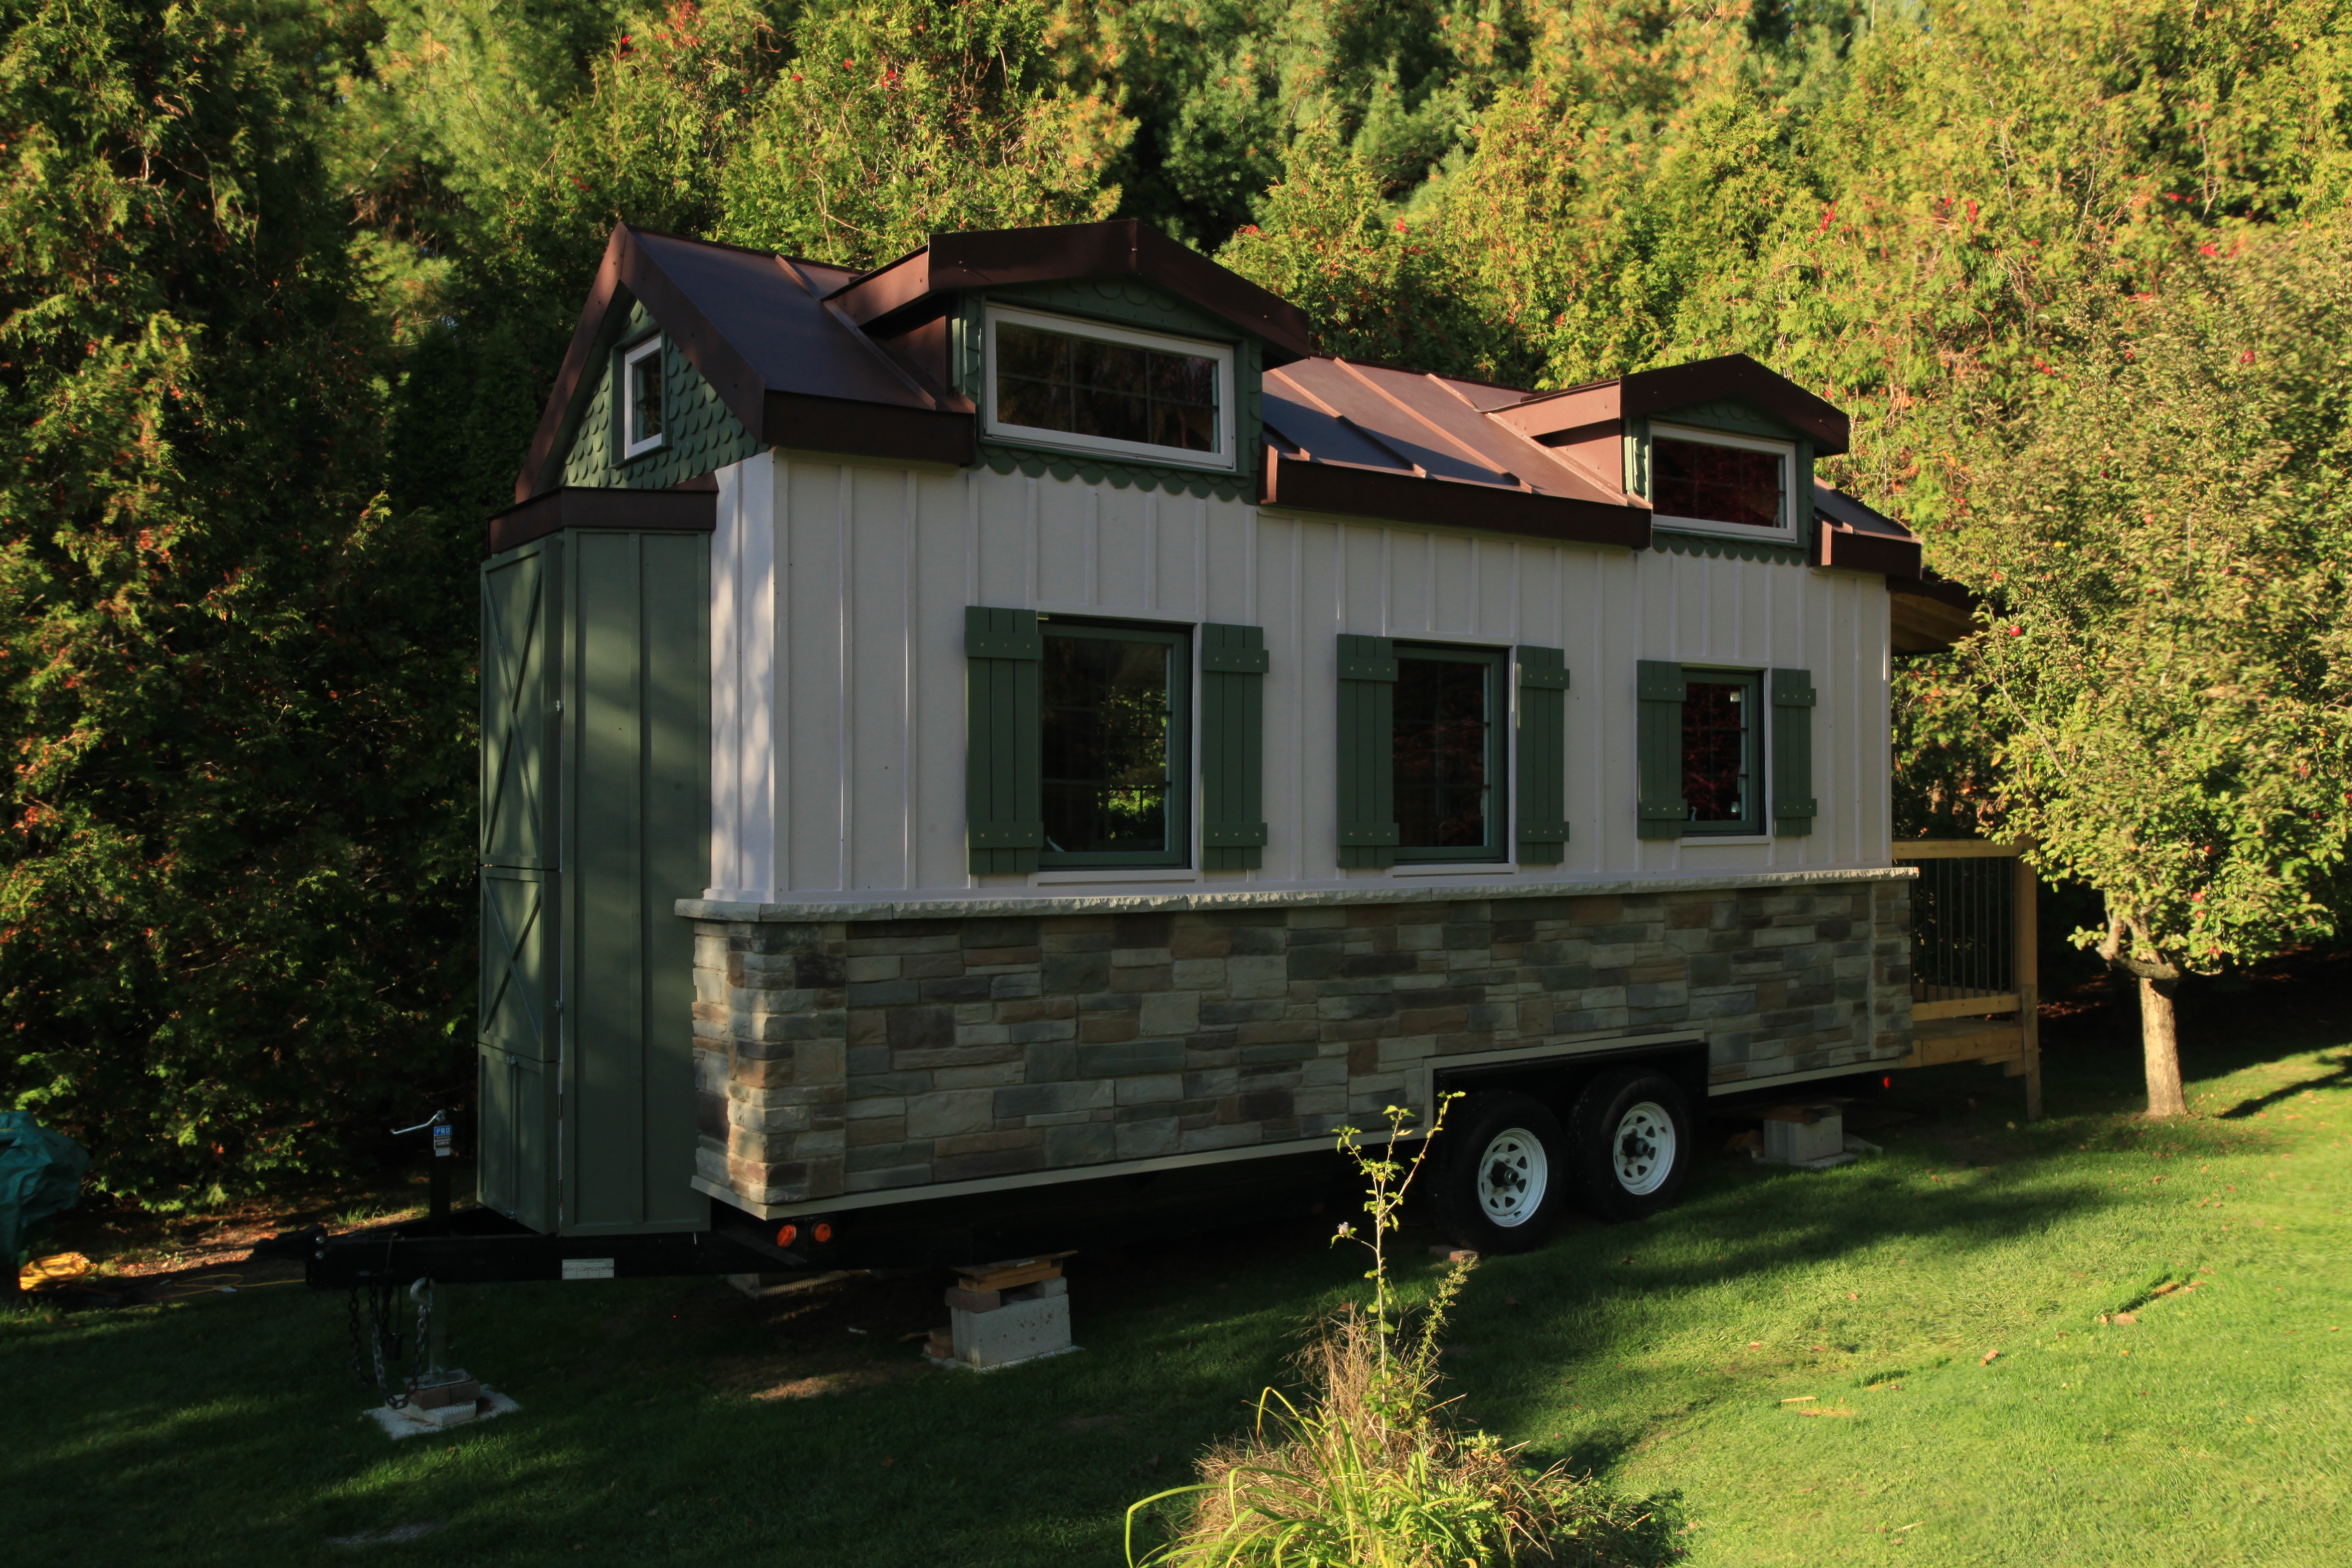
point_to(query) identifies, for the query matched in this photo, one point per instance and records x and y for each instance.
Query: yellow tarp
(53, 1270)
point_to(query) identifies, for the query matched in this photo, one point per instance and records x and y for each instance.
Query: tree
(2170, 670)
(233, 682)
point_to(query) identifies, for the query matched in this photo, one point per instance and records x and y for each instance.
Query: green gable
(1127, 302)
(1734, 418)
(703, 434)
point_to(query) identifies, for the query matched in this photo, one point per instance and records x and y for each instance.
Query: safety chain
(378, 1346)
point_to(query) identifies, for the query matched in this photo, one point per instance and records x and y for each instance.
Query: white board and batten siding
(838, 669)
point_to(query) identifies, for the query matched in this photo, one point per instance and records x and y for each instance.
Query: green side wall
(587, 1036)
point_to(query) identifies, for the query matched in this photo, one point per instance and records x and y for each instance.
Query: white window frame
(631, 446)
(1223, 458)
(1786, 533)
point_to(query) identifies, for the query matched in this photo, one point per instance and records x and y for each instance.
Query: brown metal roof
(792, 368)
(1383, 442)
(1662, 391)
(980, 257)
(1852, 537)
(812, 356)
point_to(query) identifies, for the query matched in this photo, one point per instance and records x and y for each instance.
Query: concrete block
(1014, 1331)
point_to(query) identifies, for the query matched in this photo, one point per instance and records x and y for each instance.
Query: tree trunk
(2159, 1044)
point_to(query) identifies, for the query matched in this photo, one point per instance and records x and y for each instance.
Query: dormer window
(641, 398)
(1713, 482)
(1088, 387)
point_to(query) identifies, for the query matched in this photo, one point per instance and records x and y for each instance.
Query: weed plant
(1369, 1469)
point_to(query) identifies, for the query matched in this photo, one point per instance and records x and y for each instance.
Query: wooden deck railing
(1974, 984)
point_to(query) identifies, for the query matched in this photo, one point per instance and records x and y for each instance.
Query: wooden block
(1004, 1275)
(965, 1301)
(433, 1395)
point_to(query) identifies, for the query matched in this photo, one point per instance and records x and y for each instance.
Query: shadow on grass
(2339, 1079)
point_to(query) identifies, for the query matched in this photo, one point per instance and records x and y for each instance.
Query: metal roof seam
(931, 400)
(1461, 447)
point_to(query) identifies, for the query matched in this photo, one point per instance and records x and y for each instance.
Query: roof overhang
(1646, 392)
(690, 508)
(916, 285)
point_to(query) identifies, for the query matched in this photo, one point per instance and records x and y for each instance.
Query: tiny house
(1019, 719)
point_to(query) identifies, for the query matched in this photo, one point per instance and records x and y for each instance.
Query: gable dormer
(1722, 450)
(1104, 352)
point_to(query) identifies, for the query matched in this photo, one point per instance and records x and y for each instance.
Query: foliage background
(283, 283)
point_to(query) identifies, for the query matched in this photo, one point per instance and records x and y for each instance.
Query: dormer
(1101, 352)
(1722, 451)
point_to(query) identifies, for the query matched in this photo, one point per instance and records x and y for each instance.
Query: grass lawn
(677, 1422)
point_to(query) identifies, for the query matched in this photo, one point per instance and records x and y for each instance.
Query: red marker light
(822, 1231)
(787, 1235)
(1888, 1082)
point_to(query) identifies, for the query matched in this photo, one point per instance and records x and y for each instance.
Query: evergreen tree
(233, 683)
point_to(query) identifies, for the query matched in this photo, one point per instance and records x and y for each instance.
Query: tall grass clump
(1369, 1467)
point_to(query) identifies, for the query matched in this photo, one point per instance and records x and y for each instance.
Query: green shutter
(1004, 738)
(1792, 753)
(1660, 750)
(1367, 827)
(1233, 747)
(1543, 756)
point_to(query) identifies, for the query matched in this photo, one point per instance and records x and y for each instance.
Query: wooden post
(2029, 982)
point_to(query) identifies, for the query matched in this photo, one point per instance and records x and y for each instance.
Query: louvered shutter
(1233, 747)
(1004, 802)
(1659, 748)
(1792, 753)
(1367, 826)
(1542, 756)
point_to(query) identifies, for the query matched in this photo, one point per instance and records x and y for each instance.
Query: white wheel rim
(1644, 1150)
(1512, 1176)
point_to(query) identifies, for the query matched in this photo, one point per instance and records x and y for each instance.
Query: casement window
(638, 396)
(1077, 735)
(1702, 746)
(1445, 748)
(1713, 482)
(1084, 387)
(1114, 715)
(1423, 747)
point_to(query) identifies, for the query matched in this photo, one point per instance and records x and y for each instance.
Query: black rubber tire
(1471, 1130)
(1594, 1127)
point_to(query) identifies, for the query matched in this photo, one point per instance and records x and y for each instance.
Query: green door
(516, 1031)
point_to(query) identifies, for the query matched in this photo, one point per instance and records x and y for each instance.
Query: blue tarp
(40, 1177)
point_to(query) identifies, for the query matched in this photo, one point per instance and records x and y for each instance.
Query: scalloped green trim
(1004, 459)
(1714, 547)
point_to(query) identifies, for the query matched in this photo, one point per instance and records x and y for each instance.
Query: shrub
(1369, 1469)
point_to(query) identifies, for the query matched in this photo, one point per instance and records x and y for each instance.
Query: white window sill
(1479, 868)
(1690, 838)
(1078, 879)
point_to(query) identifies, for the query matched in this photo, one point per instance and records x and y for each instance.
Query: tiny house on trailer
(1019, 723)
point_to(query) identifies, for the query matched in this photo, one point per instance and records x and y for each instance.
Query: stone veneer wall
(839, 1056)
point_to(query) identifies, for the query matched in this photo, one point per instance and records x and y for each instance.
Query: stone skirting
(838, 1056)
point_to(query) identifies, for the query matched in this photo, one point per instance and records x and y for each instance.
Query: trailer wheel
(1501, 1173)
(1632, 1131)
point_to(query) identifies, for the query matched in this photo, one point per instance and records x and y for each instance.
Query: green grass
(2216, 1429)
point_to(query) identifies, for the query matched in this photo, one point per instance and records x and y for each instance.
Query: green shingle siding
(702, 434)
